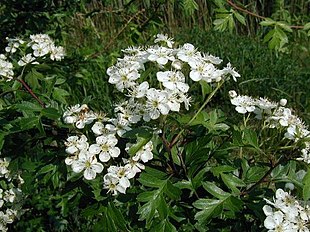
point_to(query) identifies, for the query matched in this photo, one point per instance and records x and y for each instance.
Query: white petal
(114, 152)
(104, 156)
(78, 166)
(89, 174)
(97, 167)
(94, 149)
(195, 76)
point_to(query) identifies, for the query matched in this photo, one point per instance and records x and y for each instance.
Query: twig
(31, 92)
(256, 15)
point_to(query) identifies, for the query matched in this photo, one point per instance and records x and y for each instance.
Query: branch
(255, 15)
(31, 92)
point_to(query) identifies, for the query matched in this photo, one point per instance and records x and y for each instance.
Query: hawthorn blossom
(88, 163)
(243, 104)
(230, 70)
(105, 147)
(120, 125)
(4, 164)
(57, 52)
(27, 59)
(80, 115)
(123, 77)
(285, 213)
(6, 68)
(156, 103)
(165, 39)
(13, 45)
(188, 53)
(173, 80)
(75, 144)
(145, 153)
(100, 129)
(112, 184)
(161, 55)
(133, 166)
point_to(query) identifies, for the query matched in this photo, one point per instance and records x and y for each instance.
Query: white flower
(100, 129)
(40, 49)
(275, 223)
(212, 59)
(75, 144)
(283, 102)
(133, 166)
(4, 164)
(80, 115)
(160, 54)
(164, 38)
(157, 103)
(173, 80)
(9, 195)
(200, 69)
(27, 59)
(123, 77)
(243, 104)
(145, 153)
(13, 45)
(57, 53)
(120, 125)
(111, 182)
(89, 164)
(105, 147)
(121, 173)
(188, 53)
(6, 68)
(139, 91)
(230, 70)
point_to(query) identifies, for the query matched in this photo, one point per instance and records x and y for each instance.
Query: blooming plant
(171, 155)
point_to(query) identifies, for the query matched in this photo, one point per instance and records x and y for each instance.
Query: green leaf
(150, 180)
(51, 113)
(232, 182)
(60, 94)
(240, 18)
(29, 106)
(306, 186)
(214, 190)
(255, 173)
(307, 26)
(267, 22)
(28, 123)
(189, 6)
(163, 226)
(220, 169)
(284, 26)
(205, 88)
(172, 191)
(209, 208)
(162, 208)
(2, 139)
(47, 168)
(32, 78)
(117, 217)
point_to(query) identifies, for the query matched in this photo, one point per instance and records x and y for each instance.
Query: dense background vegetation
(93, 33)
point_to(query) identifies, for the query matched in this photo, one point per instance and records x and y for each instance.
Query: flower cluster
(10, 195)
(39, 45)
(285, 213)
(277, 116)
(175, 69)
(147, 96)
(93, 158)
